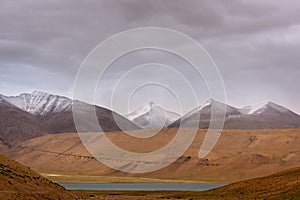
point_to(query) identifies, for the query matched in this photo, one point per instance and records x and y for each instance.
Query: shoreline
(93, 179)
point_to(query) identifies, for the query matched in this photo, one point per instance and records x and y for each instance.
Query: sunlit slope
(282, 185)
(20, 182)
(238, 155)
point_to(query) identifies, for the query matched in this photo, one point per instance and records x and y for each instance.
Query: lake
(140, 186)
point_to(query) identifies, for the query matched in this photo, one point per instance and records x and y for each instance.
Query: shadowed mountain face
(108, 120)
(268, 116)
(31, 115)
(17, 125)
(19, 182)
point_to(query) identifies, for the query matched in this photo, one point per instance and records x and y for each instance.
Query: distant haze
(255, 44)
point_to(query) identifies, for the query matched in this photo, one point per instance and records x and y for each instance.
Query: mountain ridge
(267, 116)
(39, 103)
(55, 113)
(33, 114)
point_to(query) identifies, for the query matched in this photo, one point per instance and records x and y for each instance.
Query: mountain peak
(250, 109)
(35, 92)
(39, 103)
(152, 115)
(211, 102)
(151, 104)
(142, 110)
(271, 105)
(40, 93)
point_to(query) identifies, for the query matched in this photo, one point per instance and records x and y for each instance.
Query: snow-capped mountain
(49, 113)
(40, 103)
(260, 116)
(40, 113)
(267, 116)
(205, 109)
(271, 107)
(264, 107)
(250, 109)
(152, 116)
(201, 115)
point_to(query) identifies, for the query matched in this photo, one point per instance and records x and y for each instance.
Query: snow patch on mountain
(141, 111)
(40, 103)
(207, 106)
(271, 105)
(252, 108)
(152, 116)
(198, 109)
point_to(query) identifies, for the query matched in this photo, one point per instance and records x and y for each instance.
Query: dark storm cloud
(253, 42)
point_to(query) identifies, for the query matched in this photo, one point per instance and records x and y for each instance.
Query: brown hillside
(238, 155)
(17, 125)
(19, 182)
(282, 185)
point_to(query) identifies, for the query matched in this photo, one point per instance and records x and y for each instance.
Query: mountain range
(30, 115)
(34, 114)
(265, 116)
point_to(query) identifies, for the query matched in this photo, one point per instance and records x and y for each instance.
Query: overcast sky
(255, 44)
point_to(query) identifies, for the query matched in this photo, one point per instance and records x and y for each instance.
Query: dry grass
(20, 182)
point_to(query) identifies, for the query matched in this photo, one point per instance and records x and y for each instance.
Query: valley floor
(67, 178)
(238, 155)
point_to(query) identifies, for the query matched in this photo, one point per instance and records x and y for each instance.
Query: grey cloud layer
(255, 43)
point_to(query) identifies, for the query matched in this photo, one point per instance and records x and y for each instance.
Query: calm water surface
(140, 186)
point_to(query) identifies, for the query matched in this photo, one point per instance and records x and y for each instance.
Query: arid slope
(238, 155)
(20, 182)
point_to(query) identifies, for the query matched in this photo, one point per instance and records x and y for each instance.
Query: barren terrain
(238, 155)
